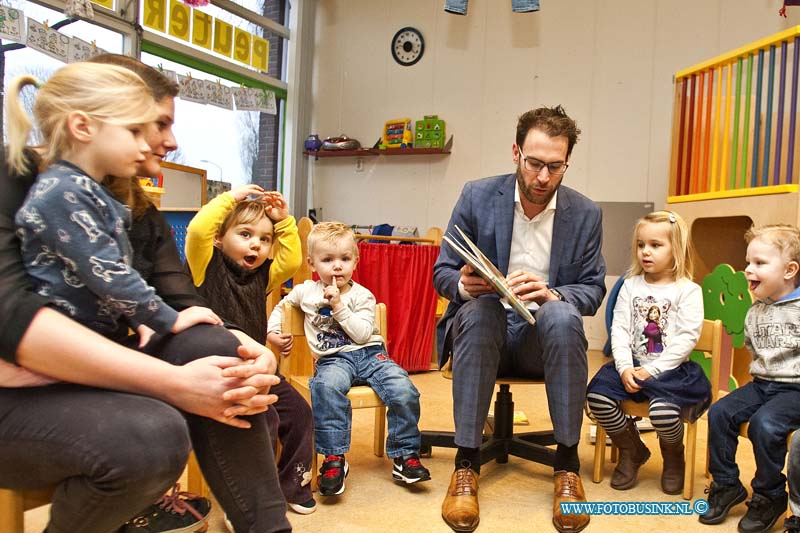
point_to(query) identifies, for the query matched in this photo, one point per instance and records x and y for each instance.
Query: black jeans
(112, 454)
(238, 464)
(290, 421)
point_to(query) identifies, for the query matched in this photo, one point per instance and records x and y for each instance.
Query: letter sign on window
(201, 29)
(241, 46)
(260, 53)
(155, 14)
(178, 20)
(105, 3)
(223, 37)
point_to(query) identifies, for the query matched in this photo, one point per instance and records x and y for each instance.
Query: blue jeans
(771, 409)
(332, 380)
(459, 7)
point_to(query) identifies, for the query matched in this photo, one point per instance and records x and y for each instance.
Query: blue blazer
(485, 212)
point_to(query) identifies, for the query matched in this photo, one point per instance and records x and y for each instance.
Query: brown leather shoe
(460, 507)
(568, 489)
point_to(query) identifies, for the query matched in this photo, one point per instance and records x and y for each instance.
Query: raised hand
(277, 209)
(242, 192)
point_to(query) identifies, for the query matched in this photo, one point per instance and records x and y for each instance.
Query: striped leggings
(665, 416)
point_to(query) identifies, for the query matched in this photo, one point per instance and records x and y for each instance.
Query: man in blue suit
(546, 238)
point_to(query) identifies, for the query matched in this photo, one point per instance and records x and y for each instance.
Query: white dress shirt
(531, 240)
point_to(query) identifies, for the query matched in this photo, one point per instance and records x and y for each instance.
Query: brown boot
(674, 466)
(632, 455)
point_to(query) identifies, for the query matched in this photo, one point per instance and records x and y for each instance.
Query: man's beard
(528, 196)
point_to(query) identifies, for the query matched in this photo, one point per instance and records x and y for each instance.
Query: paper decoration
(219, 95)
(80, 50)
(47, 40)
(192, 90)
(79, 8)
(265, 100)
(255, 100)
(11, 24)
(196, 3)
(245, 99)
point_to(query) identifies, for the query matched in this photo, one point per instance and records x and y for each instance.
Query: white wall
(609, 63)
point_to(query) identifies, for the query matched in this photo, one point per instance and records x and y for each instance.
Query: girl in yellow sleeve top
(227, 247)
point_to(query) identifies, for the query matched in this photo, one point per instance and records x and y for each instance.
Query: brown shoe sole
(568, 529)
(461, 529)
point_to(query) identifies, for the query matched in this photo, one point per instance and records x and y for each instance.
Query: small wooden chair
(14, 503)
(710, 343)
(361, 397)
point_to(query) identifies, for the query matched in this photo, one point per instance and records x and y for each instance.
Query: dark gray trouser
(111, 453)
(114, 454)
(238, 464)
(489, 341)
(290, 421)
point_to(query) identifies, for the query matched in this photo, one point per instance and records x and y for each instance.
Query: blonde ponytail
(18, 122)
(106, 93)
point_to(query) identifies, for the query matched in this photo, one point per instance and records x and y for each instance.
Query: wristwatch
(557, 294)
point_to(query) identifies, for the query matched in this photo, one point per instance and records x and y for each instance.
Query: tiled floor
(516, 496)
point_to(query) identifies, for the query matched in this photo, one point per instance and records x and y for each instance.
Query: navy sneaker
(762, 513)
(307, 507)
(720, 500)
(409, 469)
(175, 512)
(791, 524)
(332, 473)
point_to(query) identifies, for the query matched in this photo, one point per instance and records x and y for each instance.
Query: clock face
(407, 46)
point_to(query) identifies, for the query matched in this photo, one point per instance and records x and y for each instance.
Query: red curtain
(401, 276)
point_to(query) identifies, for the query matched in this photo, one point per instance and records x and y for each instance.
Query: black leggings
(112, 453)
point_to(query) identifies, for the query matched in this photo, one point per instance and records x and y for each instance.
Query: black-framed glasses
(556, 168)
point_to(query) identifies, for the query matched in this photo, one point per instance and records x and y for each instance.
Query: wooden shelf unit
(368, 152)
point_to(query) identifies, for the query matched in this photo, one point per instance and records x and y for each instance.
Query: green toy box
(429, 132)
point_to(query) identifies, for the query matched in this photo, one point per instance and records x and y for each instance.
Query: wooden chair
(499, 439)
(710, 343)
(14, 503)
(361, 397)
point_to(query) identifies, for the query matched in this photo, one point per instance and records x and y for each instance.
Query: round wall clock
(407, 46)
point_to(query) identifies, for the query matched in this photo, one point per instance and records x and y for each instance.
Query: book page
(488, 271)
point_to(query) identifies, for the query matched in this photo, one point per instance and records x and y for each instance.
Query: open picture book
(472, 255)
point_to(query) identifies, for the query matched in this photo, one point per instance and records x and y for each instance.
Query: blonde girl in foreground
(93, 120)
